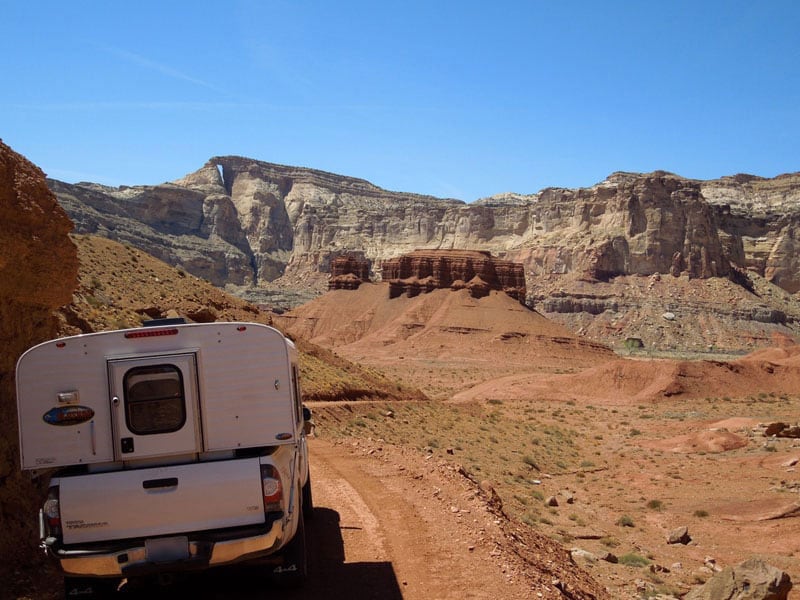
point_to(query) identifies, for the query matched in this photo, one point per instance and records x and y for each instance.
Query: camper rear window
(154, 399)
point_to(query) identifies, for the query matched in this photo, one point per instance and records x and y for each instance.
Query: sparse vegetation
(631, 559)
(625, 521)
(655, 505)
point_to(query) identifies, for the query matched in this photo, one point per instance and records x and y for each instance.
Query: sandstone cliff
(38, 272)
(247, 222)
(258, 226)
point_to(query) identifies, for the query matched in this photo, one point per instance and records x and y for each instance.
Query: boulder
(679, 535)
(752, 579)
(774, 428)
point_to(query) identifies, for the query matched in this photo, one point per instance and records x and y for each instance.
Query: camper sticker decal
(68, 415)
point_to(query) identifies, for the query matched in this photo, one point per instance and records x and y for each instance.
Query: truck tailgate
(161, 500)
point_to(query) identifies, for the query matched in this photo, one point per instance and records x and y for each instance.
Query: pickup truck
(170, 447)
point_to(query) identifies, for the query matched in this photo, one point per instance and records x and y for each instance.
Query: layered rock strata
(262, 228)
(348, 272)
(245, 222)
(426, 270)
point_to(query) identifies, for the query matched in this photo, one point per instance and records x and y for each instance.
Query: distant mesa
(423, 271)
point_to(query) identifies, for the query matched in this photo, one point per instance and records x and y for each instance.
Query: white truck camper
(171, 447)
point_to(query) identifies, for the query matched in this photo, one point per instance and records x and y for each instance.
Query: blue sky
(454, 99)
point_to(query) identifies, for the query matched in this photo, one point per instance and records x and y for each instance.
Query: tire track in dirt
(392, 523)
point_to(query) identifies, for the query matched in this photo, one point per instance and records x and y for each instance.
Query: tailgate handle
(152, 484)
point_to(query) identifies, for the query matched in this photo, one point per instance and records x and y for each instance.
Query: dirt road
(382, 532)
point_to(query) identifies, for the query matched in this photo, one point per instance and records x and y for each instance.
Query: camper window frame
(130, 420)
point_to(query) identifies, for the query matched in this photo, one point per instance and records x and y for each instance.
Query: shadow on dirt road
(329, 576)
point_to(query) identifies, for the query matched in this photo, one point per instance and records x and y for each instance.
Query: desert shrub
(625, 521)
(631, 559)
(655, 505)
(701, 513)
(93, 302)
(530, 461)
(609, 542)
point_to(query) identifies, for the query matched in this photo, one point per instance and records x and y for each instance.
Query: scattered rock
(790, 432)
(711, 563)
(579, 553)
(774, 429)
(679, 536)
(751, 580)
(656, 568)
(551, 501)
(609, 557)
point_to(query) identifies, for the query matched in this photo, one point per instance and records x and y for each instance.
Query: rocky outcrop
(246, 222)
(196, 229)
(38, 272)
(264, 229)
(348, 272)
(426, 270)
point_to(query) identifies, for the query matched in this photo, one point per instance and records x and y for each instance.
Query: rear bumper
(129, 559)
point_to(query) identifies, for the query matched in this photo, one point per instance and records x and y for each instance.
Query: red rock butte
(423, 271)
(348, 272)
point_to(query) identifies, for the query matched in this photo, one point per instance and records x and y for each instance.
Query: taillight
(147, 333)
(272, 488)
(52, 512)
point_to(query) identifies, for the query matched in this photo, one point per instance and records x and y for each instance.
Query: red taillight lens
(52, 511)
(146, 333)
(272, 488)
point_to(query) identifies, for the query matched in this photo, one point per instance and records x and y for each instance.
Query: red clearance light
(144, 333)
(61, 344)
(241, 328)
